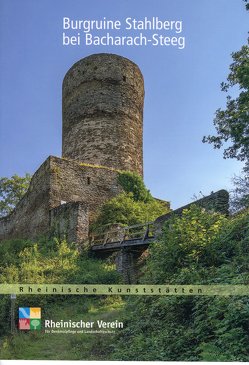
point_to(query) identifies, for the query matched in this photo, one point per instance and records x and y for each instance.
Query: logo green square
(35, 324)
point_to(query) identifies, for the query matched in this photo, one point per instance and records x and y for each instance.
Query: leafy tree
(134, 206)
(125, 210)
(240, 193)
(186, 242)
(232, 124)
(133, 183)
(11, 191)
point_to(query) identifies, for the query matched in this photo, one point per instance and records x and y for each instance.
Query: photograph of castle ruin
(103, 98)
(139, 129)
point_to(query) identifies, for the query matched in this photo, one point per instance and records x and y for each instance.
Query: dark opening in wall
(124, 78)
(88, 180)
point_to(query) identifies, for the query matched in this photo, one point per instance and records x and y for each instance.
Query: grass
(38, 345)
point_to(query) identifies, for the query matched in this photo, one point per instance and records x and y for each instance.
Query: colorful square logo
(29, 318)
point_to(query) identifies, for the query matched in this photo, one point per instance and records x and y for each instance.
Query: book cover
(123, 231)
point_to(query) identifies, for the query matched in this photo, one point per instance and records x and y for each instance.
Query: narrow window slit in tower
(88, 180)
(124, 78)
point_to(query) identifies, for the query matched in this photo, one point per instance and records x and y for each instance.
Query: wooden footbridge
(130, 242)
(118, 237)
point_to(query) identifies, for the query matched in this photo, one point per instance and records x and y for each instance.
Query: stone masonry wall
(126, 264)
(103, 96)
(30, 218)
(58, 181)
(71, 181)
(70, 221)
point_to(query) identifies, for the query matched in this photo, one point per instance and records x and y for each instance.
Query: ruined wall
(70, 221)
(30, 218)
(217, 202)
(56, 181)
(103, 97)
(71, 181)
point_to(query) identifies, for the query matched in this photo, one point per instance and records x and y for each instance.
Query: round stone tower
(103, 96)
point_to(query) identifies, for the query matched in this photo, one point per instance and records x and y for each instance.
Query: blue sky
(182, 86)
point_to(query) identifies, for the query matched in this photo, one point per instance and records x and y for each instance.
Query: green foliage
(133, 183)
(199, 248)
(51, 261)
(247, 5)
(232, 124)
(240, 192)
(47, 261)
(186, 243)
(134, 206)
(4, 313)
(224, 334)
(125, 210)
(10, 249)
(11, 191)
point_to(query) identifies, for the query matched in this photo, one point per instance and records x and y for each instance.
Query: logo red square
(24, 324)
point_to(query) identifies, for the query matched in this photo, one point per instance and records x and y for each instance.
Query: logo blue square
(24, 312)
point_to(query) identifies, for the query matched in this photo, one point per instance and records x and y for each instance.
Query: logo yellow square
(35, 312)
